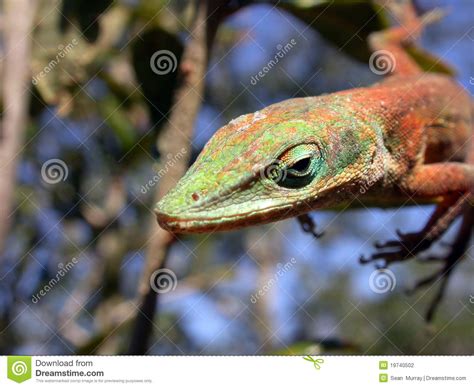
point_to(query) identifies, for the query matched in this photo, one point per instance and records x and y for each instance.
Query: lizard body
(406, 139)
(367, 137)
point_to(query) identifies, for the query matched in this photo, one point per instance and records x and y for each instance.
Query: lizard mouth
(176, 224)
(179, 225)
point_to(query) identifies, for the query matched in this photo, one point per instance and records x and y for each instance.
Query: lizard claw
(401, 234)
(363, 259)
(309, 226)
(407, 246)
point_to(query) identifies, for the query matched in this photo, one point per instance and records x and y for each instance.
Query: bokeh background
(269, 289)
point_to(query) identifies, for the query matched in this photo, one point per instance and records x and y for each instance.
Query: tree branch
(18, 24)
(175, 138)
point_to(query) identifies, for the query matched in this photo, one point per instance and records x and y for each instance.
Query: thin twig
(175, 138)
(17, 27)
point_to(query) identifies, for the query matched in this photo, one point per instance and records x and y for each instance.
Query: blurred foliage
(99, 108)
(347, 24)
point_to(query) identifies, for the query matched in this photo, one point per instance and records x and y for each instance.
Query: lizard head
(280, 162)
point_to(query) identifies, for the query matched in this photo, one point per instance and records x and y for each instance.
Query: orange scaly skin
(406, 139)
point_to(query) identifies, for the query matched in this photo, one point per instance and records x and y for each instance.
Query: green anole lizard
(405, 140)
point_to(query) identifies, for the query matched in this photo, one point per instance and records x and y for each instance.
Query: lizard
(404, 140)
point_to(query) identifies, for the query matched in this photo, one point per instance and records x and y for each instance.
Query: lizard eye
(300, 168)
(296, 167)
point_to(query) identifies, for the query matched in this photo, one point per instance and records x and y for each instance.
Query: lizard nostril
(195, 196)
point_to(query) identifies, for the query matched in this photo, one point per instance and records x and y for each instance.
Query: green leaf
(345, 23)
(429, 62)
(348, 23)
(112, 110)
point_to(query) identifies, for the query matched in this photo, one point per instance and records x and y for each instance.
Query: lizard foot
(457, 251)
(309, 226)
(442, 276)
(409, 245)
